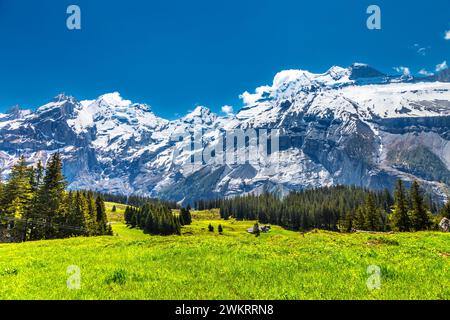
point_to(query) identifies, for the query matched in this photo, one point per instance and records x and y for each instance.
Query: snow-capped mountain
(351, 125)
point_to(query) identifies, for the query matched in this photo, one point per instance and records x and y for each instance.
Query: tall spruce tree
(359, 221)
(103, 228)
(347, 223)
(420, 218)
(400, 217)
(128, 214)
(79, 220)
(185, 216)
(50, 203)
(373, 215)
(92, 210)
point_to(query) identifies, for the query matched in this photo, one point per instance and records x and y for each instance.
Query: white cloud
(227, 110)
(420, 50)
(424, 72)
(403, 70)
(251, 98)
(441, 66)
(447, 35)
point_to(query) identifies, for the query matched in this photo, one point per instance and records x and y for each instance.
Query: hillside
(236, 265)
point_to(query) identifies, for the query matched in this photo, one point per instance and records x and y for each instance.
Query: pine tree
(420, 219)
(400, 217)
(17, 200)
(18, 189)
(79, 218)
(101, 219)
(445, 211)
(2, 186)
(92, 217)
(220, 229)
(134, 218)
(185, 216)
(114, 209)
(39, 175)
(359, 220)
(34, 205)
(348, 222)
(210, 228)
(373, 215)
(49, 208)
(387, 200)
(128, 214)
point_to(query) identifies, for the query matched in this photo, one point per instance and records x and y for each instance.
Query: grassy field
(115, 216)
(236, 265)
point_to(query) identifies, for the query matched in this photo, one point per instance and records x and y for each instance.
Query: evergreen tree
(210, 228)
(101, 219)
(220, 229)
(49, 208)
(91, 224)
(420, 219)
(18, 189)
(128, 214)
(185, 216)
(79, 219)
(39, 175)
(34, 205)
(373, 215)
(2, 186)
(387, 201)
(17, 200)
(400, 217)
(445, 211)
(348, 222)
(360, 220)
(134, 218)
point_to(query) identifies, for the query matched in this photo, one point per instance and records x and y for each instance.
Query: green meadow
(200, 264)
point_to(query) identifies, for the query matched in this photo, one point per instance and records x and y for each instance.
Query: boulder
(444, 225)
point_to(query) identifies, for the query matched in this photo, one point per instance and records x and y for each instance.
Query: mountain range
(351, 125)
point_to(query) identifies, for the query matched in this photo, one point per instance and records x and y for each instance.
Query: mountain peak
(61, 101)
(17, 112)
(200, 114)
(200, 110)
(362, 71)
(62, 97)
(337, 72)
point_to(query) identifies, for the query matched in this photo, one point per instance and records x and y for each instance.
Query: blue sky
(177, 54)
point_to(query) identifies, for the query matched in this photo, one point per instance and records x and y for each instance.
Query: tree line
(157, 218)
(35, 205)
(135, 200)
(337, 208)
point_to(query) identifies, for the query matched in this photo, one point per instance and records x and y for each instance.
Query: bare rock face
(352, 126)
(444, 225)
